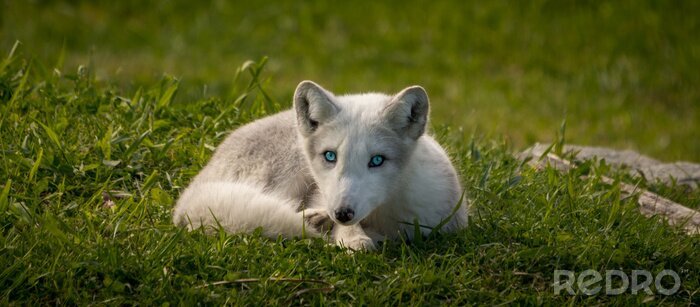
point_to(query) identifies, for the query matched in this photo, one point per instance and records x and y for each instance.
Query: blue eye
(329, 155)
(376, 161)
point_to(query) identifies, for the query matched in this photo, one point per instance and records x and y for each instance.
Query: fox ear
(313, 105)
(407, 113)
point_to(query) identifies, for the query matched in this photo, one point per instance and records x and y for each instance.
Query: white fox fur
(275, 172)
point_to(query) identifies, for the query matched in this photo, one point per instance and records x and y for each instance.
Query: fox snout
(352, 203)
(344, 210)
(344, 214)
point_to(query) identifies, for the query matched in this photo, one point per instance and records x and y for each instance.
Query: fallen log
(650, 204)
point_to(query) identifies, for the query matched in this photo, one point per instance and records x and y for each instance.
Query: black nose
(344, 214)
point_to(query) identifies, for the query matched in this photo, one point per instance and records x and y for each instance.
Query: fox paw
(318, 218)
(358, 243)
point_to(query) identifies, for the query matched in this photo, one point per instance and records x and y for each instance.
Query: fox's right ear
(314, 106)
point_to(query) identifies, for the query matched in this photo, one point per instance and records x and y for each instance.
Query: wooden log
(650, 204)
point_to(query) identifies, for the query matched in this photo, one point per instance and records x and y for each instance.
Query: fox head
(357, 145)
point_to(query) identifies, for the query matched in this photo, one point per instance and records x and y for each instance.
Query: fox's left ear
(407, 113)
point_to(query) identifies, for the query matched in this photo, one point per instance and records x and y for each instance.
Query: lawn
(108, 109)
(623, 74)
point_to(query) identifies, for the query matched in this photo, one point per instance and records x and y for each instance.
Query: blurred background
(623, 74)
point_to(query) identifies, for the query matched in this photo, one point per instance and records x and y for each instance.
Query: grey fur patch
(267, 154)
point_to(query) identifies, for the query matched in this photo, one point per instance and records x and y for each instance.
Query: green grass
(623, 73)
(67, 140)
(86, 111)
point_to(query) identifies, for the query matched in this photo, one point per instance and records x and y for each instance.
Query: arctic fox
(361, 165)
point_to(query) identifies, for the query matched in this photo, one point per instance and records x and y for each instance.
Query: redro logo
(588, 282)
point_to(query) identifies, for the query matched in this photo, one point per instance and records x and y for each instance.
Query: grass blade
(168, 95)
(35, 167)
(52, 135)
(5, 195)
